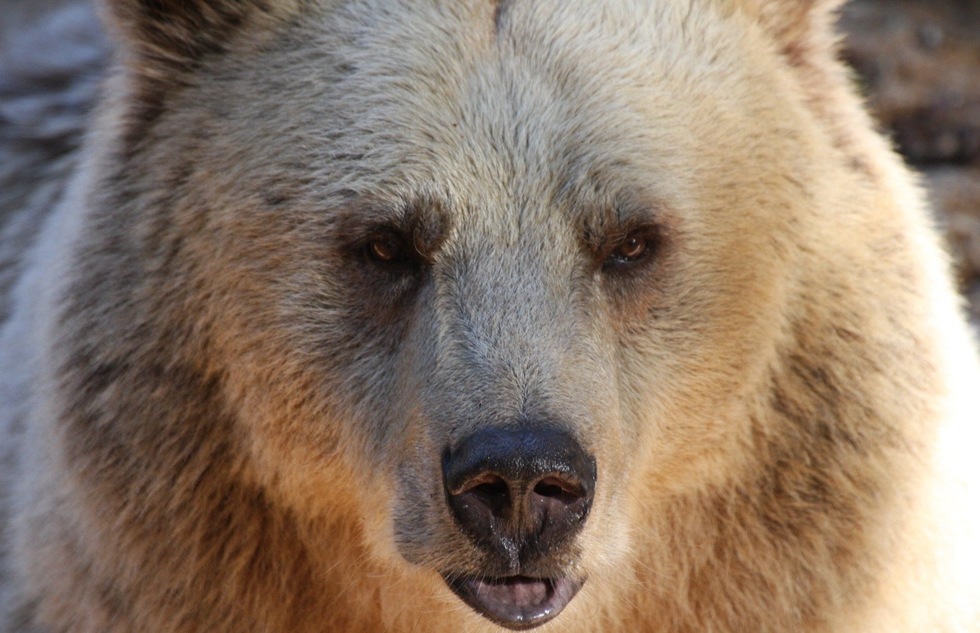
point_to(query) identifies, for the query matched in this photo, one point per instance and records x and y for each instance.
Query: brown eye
(384, 249)
(631, 250)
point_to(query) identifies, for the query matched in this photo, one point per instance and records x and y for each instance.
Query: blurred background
(918, 63)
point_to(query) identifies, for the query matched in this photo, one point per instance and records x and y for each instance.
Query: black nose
(526, 487)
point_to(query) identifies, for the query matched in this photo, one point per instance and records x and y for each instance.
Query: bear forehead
(517, 101)
(547, 83)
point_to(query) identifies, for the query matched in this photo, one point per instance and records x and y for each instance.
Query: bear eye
(632, 249)
(384, 249)
(635, 248)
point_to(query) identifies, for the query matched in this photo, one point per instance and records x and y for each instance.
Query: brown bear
(454, 315)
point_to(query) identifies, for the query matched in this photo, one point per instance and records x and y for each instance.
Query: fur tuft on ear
(802, 28)
(172, 35)
(804, 31)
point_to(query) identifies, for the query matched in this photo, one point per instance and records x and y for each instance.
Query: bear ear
(161, 35)
(802, 28)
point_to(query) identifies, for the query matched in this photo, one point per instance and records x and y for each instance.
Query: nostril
(486, 481)
(559, 490)
(548, 490)
(489, 490)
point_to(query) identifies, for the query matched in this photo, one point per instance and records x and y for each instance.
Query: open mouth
(515, 602)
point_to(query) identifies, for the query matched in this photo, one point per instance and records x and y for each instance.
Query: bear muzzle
(520, 493)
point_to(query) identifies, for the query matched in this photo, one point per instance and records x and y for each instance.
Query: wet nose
(529, 485)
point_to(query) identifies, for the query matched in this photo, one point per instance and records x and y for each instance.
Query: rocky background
(919, 64)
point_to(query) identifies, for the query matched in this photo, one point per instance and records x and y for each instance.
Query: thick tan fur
(219, 417)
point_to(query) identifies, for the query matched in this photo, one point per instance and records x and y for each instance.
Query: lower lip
(515, 602)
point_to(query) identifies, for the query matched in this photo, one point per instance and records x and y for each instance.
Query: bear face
(409, 248)
(544, 308)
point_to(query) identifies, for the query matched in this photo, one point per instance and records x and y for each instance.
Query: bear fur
(667, 227)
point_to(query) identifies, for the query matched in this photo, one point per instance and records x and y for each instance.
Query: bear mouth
(515, 602)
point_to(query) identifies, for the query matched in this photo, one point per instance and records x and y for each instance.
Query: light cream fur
(224, 419)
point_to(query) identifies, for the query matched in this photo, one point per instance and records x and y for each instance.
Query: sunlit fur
(220, 416)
